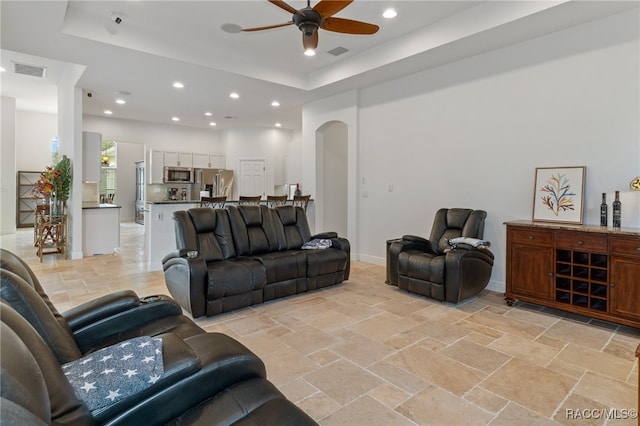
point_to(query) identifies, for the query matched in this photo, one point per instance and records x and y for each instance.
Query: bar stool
(301, 201)
(248, 200)
(276, 200)
(213, 202)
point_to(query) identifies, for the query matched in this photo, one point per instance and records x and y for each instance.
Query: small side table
(51, 234)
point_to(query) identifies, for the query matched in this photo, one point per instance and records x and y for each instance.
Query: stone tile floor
(366, 353)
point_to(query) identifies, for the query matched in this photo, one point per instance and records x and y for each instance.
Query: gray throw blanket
(112, 374)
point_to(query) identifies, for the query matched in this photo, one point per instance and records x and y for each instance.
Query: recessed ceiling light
(2, 69)
(389, 13)
(213, 123)
(175, 118)
(234, 95)
(310, 52)
(208, 114)
(178, 85)
(121, 101)
(275, 104)
(108, 111)
(278, 125)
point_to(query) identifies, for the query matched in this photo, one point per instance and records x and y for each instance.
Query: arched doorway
(332, 177)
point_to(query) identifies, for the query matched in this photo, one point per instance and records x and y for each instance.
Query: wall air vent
(32, 70)
(338, 51)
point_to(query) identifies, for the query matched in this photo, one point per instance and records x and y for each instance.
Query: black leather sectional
(207, 378)
(245, 255)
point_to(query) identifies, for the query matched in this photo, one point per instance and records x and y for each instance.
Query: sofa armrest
(339, 243)
(149, 309)
(468, 272)
(325, 235)
(179, 361)
(186, 279)
(408, 242)
(102, 307)
(416, 239)
(223, 362)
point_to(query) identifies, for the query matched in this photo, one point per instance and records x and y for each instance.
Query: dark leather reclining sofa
(207, 379)
(248, 255)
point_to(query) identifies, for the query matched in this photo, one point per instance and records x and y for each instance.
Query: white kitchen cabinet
(208, 161)
(218, 161)
(178, 159)
(160, 237)
(100, 230)
(201, 161)
(91, 156)
(155, 168)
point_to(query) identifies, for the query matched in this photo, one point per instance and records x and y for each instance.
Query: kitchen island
(159, 233)
(100, 228)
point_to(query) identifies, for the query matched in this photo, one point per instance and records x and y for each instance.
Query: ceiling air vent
(32, 70)
(338, 51)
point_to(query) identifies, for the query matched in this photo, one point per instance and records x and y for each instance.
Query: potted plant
(54, 185)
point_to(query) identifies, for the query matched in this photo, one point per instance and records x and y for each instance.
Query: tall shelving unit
(25, 203)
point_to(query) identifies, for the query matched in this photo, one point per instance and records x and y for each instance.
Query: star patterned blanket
(317, 243)
(112, 374)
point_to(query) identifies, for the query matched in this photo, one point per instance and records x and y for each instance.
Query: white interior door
(253, 177)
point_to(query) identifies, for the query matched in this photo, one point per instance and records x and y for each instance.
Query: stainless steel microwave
(178, 175)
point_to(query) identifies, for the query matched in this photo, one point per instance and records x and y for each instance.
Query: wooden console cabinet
(587, 270)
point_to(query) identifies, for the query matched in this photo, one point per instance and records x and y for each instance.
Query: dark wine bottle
(617, 211)
(604, 210)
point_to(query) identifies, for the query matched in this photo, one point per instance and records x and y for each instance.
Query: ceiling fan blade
(348, 26)
(328, 8)
(310, 42)
(268, 27)
(283, 5)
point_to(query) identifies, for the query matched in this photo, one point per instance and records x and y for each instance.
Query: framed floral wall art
(558, 194)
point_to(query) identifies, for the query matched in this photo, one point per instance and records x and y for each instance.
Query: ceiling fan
(309, 20)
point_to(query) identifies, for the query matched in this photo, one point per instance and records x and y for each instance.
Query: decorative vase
(56, 206)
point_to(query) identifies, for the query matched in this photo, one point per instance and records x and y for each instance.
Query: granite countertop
(90, 205)
(174, 202)
(574, 227)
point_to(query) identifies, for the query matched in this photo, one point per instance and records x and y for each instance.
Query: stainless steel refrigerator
(216, 182)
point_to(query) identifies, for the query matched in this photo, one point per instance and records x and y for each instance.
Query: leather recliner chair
(208, 379)
(93, 325)
(436, 269)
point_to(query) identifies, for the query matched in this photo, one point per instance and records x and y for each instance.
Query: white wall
(154, 135)
(470, 133)
(34, 133)
(7, 165)
(342, 108)
(294, 167)
(332, 177)
(271, 145)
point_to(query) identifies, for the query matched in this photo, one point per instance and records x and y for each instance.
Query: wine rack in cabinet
(586, 270)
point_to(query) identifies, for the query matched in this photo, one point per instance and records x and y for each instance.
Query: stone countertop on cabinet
(173, 202)
(91, 205)
(575, 227)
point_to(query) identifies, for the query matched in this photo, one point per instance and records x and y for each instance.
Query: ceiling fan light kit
(309, 20)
